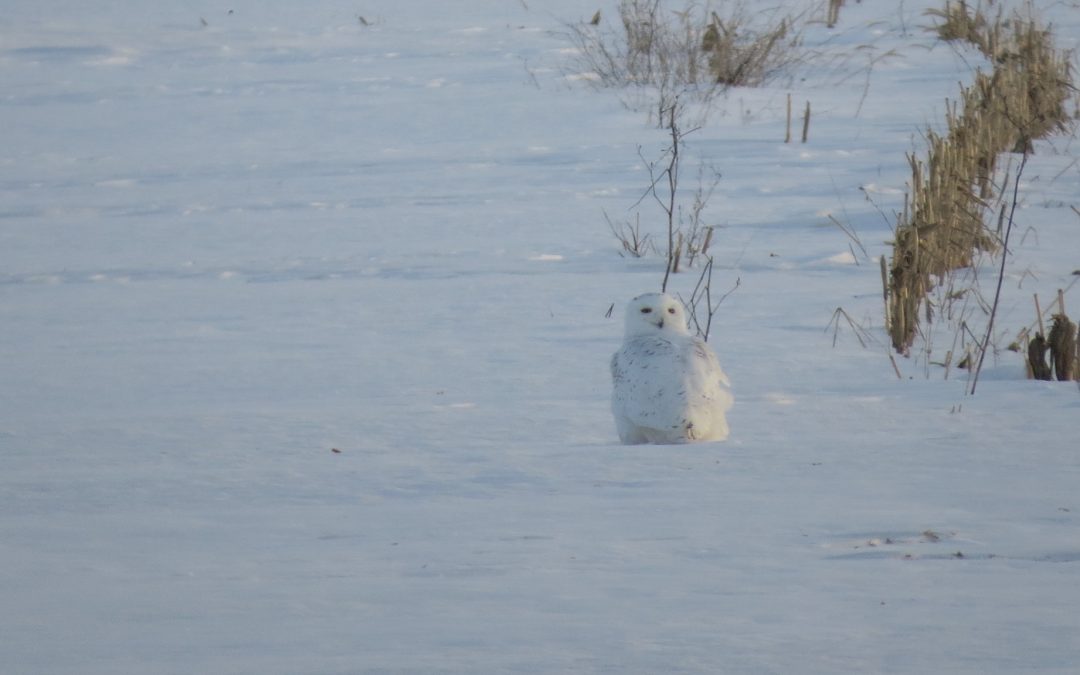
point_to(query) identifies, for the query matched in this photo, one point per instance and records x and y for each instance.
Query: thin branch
(673, 184)
(1001, 275)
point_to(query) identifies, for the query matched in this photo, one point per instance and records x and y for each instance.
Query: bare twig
(1001, 275)
(703, 291)
(787, 132)
(672, 172)
(629, 235)
(860, 332)
(851, 234)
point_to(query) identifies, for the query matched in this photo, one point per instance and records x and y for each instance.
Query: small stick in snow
(1038, 315)
(787, 133)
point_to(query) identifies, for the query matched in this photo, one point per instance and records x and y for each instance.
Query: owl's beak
(661, 324)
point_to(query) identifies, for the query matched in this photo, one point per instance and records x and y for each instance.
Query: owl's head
(655, 313)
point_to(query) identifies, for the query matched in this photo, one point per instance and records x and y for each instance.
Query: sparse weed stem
(853, 238)
(702, 295)
(699, 235)
(634, 243)
(862, 334)
(863, 331)
(668, 203)
(688, 236)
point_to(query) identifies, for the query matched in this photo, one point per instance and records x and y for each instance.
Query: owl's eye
(670, 310)
(646, 310)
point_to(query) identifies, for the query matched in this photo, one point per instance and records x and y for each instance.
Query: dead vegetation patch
(692, 53)
(952, 212)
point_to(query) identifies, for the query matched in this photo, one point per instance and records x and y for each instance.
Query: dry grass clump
(960, 22)
(943, 224)
(739, 54)
(692, 53)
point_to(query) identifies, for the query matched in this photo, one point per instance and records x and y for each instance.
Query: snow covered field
(303, 361)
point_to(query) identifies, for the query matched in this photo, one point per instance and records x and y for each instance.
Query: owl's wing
(704, 373)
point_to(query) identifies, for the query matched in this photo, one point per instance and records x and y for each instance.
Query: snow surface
(303, 353)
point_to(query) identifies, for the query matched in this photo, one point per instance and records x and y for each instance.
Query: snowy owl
(669, 387)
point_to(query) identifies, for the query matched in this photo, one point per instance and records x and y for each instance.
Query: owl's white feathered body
(668, 384)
